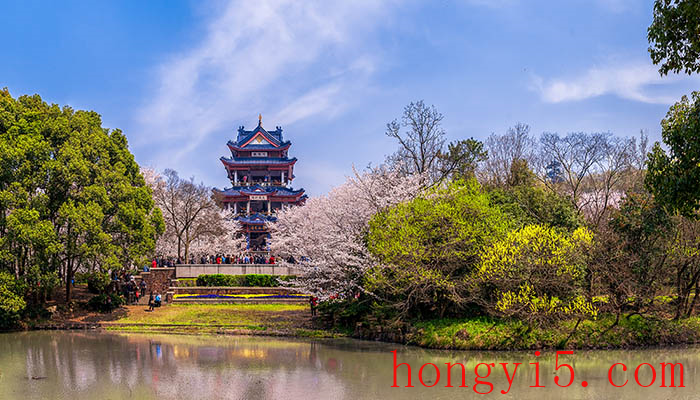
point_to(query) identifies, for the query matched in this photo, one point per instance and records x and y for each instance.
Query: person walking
(129, 291)
(312, 302)
(151, 302)
(142, 287)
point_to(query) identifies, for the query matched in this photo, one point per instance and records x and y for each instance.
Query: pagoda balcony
(261, 183)
(245, 214)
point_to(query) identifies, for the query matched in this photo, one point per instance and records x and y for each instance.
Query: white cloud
(321, 100)
(291, 59)
(628, 81)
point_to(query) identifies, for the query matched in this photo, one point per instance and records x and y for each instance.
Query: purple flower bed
(242, 296)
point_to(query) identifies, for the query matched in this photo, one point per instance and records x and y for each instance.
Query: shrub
(221, 280)
(12, 302)
(536, 274)
(257, 280)
(261, 280)
(98, 282)
(81, 277)
(36, 312)
(428, 245)
(346, 313)
(105, 302)
(187, 282)
(40, 285)
(534, 204)
(448, 227)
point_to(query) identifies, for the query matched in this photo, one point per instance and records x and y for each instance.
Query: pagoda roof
(256, 219)
(233, 145)
(259, 190)
(257, 160)
(273, 139)
(283, 191)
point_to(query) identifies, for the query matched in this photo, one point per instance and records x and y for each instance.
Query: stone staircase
(221, 291)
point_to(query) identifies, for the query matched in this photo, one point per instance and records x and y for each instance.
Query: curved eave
(233, 163)
(242, 195)
(233, 146)
(295, 195)
(256, 219)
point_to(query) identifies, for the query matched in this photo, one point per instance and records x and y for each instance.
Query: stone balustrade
(194, 270)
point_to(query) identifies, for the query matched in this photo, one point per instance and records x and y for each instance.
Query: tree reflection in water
(94, 366)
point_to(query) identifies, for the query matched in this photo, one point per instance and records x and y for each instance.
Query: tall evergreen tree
(71, 193)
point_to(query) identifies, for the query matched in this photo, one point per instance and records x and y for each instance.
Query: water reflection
(64, 365)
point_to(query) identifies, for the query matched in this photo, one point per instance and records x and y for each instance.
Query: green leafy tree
(674, 36)
(648, 252)
(428, 245)
(71, 194)
(684, 260)
(11, 300)
(674, 177)
(529, 202)
(40, 284)
(462, 158)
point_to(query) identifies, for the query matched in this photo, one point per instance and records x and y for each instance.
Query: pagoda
(260, 172)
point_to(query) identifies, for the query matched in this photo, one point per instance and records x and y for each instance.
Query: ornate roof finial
(260, 120)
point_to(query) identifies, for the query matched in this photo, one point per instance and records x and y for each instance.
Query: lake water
(96, 366)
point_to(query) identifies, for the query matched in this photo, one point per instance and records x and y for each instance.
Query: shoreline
(463, 335)
(328, 336)
(269, 319)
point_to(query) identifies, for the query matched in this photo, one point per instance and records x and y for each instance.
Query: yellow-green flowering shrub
(427, 246)
(536, 274)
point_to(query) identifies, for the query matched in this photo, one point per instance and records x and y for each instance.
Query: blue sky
(180, 77)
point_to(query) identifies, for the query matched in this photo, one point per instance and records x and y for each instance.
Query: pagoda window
(257, 207)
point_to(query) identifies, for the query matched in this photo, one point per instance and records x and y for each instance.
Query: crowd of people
(160, 262)
(125, 284)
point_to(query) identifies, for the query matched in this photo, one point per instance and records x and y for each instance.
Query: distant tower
(260, 173)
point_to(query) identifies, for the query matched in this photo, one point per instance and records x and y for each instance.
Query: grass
(272, 319)
(484, 333)
(479, 333)
(215, 314)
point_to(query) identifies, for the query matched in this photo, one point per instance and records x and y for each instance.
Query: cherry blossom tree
(325, 239)
(222, 236)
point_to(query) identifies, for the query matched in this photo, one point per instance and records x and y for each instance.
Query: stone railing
(194, 270)
(219, 290)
